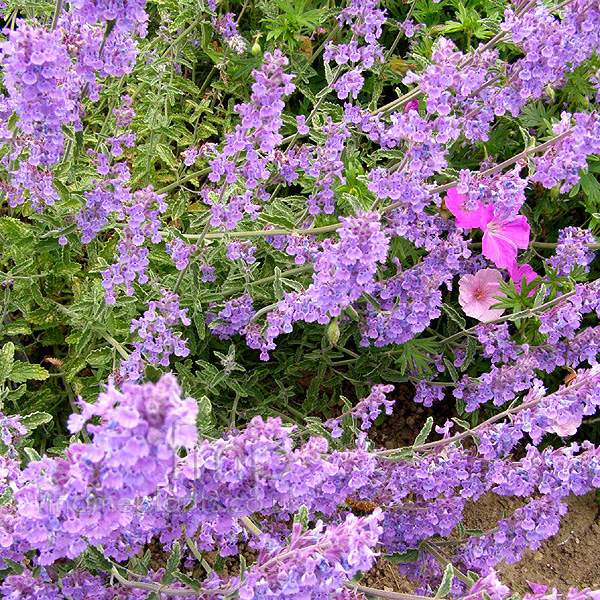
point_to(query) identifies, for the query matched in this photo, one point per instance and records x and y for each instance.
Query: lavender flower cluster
(132, 460)
(373, 181)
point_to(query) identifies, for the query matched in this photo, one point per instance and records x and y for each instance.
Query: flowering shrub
(220, 221)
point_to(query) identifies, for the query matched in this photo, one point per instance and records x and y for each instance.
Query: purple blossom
(128, 15)
(572, 252)
(141, 214)
(563, 161)
(155, 329)
(241, 250)
(367, 410)
(65, 503)
(232, 318)
(225, 26)
(180, 252)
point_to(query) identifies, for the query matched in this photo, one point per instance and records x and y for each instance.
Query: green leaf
(166, 154)
(461, 423)
(22, 371)
(446, 584)
(187, 581)
(172, 564)
(372, 301)
(416, 355)
(7, 354)
(402, 454)
(469, 354)
(409, 556)
(302, 516)
(94, 559)
(277, 288)
(420, 439)
(328, 72)
(31, 454)
(454, 315)
(36, 419)
(540, 297)
(451, 369)
(100, 357)
(204, 419)
(219, 563)
(15, 567)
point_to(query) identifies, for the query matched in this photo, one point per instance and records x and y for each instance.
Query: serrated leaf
(454, 315)
(19, 327)
(204, 419)
(470, 352)
(528, 139)
(99, 357)
(13, 229)
(451, 369)
(328, 73)
(22, 371)
(166, 154)
(15, 567)
(278, 220)
(461, 423)
(540, 297)
(7, 356)
(401, 454)
(36, 419)
(95, 559)
(172, 564)
(17, 394)
(446, 584)
(424, 433)
(277, 287)
(74, 366)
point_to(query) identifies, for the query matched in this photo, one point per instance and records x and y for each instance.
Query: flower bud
(333, 333)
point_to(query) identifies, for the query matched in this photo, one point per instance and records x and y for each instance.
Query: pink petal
(537, 588)
(500, 250)
(517, 231)
(480, 310)
(490, 278)
(517, 273)
(465, 219)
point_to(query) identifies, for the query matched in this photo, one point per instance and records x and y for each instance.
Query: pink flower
(517, 273)
(465, 219)
(476, 294)
(502, 238)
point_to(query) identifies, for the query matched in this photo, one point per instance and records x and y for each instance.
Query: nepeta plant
(356, 196)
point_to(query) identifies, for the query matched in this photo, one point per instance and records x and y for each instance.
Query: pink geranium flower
(477, 293)
(517, 273)
(465, 219)
(501, 238)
